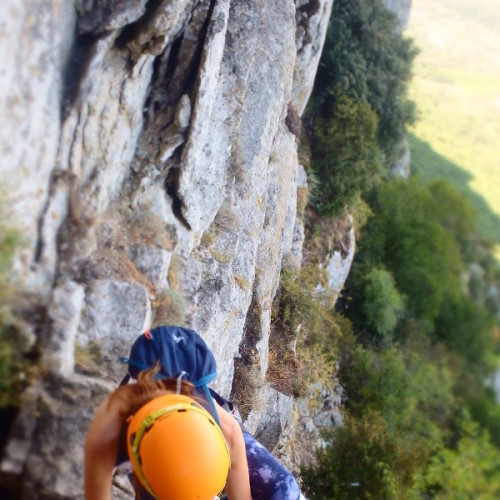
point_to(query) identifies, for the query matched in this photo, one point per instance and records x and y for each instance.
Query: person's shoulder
(230, 427)
(106, 425)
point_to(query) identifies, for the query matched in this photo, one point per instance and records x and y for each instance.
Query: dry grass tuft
(243, 283)
(170, 309)
(88, 358)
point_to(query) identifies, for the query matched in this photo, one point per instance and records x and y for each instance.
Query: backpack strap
(211, 401)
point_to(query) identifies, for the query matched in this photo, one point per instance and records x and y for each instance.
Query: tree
(345, 158)
(363, 459)
(402, 388)
(366, 59)
(469, 470)
(467, 329)
(407, 237)
(383, 305)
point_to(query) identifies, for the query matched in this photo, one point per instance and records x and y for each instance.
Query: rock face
(402, 9)
(402, 167)
(151, 163)
(339, 262)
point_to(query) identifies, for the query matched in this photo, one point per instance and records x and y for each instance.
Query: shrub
(304, 317)
(366, 59)
(397, 417)
(402, 388)
(345, 158)
(170, 309)
(383, 305)
(409, 237)
(421, 234)
(298, 305)
(363, 459)
(13, 366)
(471, 469)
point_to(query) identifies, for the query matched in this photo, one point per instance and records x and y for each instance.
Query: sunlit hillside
(457, 89)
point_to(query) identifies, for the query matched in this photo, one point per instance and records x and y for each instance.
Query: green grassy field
(456, 86)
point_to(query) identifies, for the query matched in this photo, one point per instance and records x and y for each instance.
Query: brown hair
(132, 397)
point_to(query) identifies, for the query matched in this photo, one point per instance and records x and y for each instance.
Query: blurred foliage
(422, 299)
(371, 62)
(423, 235)
(383, 305)
(345, 155)
(13, 366)
(417, 341)
(467, 329)
(363, 459)
(469, 470)
(359, 107)
(427, 347)
(402, 388)
(14, 369)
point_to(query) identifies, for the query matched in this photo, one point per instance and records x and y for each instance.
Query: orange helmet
(177, 449)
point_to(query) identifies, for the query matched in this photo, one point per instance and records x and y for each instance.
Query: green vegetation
(471, 469)
(360, 462)
(13, 367)
(359, 104)
(301, 312)
(420, 336)
(456, 87)
(366, 60)
(345, 159)
(425, 348)
(299, 306)
(414, 234)
(383, 305)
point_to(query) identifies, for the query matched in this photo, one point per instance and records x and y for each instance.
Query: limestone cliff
(149, 156)
(402, 9)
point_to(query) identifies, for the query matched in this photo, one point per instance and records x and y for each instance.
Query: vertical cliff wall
(149, 157)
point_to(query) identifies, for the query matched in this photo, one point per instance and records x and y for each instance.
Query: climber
(170, 435)
(179, 453)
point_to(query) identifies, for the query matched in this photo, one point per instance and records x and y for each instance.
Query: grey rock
(319, 410)
(104, 15)
(158, 164)
(402, 10)
(64, 412)
(301, 177)
(20, 440)
(268, 424)
(152, 262)
(115, 314)
(401, 168)
(176, 132)
(206, 152)
(159, 29)
(339, 263)
(65, 309)
(495, 383)
(36, 41)
(312, 21)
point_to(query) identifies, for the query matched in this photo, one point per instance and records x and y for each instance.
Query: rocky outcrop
(402, 167)
(402, 9)
(339, 261)
(150, 155)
